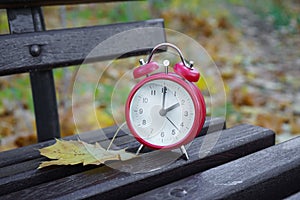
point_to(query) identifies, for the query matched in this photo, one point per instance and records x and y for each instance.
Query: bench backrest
(30, 48)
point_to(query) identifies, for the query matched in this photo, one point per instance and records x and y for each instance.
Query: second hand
(172, 123)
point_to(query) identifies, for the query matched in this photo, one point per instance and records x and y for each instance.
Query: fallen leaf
(25, 140)
(223, 23)
(76, 152)
(295, 124)
(271, 121)
(247, 96)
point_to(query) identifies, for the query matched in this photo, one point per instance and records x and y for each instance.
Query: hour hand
(172, 107)
(163, 112)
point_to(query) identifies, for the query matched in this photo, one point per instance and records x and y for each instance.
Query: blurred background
(255, 44)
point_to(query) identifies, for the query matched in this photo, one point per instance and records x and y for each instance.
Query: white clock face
(162, 112)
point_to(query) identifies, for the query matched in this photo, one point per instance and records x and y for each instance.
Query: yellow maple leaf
(76, 152)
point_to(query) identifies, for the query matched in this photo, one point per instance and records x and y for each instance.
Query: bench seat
(272, 173)
(21, 178)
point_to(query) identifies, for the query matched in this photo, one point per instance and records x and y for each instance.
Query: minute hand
(164, 97)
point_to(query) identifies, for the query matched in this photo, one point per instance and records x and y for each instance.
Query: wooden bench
(30, 48)
(243, 164)
(272, 173)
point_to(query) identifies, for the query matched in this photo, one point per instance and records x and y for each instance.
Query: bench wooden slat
(34, 3)
(13, 176)
(29, 152)
(106, 183)
(67, 47)
(295, 196)
(273, 173)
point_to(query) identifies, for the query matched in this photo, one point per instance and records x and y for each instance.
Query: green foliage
(276, 10)
(17, 90)
(199, 8)
(236, 2)
(58, 73)
(281, 16)
(230, 110)
(159, 4)
(3, 22)
(108, 13)
(103, 94)
(280, 13)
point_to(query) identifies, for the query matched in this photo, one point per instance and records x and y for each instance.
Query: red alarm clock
(165, 110)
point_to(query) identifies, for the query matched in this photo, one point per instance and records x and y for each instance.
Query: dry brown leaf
(247, 96)
(76, 152)
(271, 121)
(25, 140)
(295, 124)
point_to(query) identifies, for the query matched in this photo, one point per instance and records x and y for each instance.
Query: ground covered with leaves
(255, 46)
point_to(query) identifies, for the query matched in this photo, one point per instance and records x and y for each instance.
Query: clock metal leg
(183, 150)
(139, 149)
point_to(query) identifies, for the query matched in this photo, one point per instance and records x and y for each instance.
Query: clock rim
(198, 101)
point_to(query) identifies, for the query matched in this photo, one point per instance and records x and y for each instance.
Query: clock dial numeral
(153, 92)
(182, 124)
(141, 111)
(145, 100)
(182, 102)
(173, 132)
(186, 113)
(144, 122)
(162, 134)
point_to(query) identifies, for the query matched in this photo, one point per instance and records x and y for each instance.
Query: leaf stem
(115, 135)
